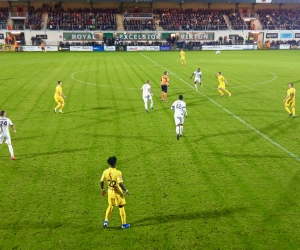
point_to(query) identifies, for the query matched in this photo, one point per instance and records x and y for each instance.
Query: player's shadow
(89, 109)
(204, 215)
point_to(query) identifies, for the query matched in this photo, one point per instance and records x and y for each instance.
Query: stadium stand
(82, 19)
(189, 19)
(3, 17)
(139, 24)
(236, 21)
(34, 19)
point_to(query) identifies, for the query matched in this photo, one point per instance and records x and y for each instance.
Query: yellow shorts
(115, 198)
(290, 103)
(59, 99)
(182, 58)
(222, 86)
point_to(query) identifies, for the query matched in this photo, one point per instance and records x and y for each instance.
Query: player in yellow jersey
(290, 100)
(222, 81)
(182, 57)
(113, 178)
(59, 97)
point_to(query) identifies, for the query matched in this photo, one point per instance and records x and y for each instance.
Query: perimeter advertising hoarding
(271, 35)
(286, 35)
(98, 48)
(109, 48)
(296, 35)
(192, 36)
(81, 48)
(72, 36)
(284, 46)
(143, 48)
(127, 36)
(229, 47)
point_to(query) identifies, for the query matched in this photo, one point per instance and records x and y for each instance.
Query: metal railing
(137, 15)
(82, 27)
(18, 15)
(249, 16)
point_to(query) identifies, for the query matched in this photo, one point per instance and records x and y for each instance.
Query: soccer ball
(218, 52)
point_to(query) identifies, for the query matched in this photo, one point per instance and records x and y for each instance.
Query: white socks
(11, 150)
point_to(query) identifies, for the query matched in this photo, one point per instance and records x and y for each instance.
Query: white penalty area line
(229, 112)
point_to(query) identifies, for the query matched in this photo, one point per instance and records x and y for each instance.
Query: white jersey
(4, 123)
(146, 87)
(180, 108)
(197, 74)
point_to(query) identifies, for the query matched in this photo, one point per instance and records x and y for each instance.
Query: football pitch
(231, 182)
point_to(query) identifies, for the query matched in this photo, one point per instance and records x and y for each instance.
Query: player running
(59, 97)
(222, 82)
(164, 83)
(179, 107)
(198, 78)
(182, 57)
(147, 95)
(4, 132)
(114, 180)
(290, 100)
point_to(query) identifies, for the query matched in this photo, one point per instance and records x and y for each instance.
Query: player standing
(290, 100)
(164, 83)
(182, 57)
(198, 78)
(147, 95)
(4, 132)
(222, 82)
(43, 47)
(179, 107)
(59, 97)
(114, 180)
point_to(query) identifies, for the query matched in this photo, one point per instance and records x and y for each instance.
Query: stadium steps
(227, 22)
(44, 20)
(157, 20)
(120, 22)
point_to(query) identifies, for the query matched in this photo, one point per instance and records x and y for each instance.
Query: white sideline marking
(232, 114)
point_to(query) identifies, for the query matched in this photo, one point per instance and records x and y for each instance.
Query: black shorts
(164, 88)
(43, 49)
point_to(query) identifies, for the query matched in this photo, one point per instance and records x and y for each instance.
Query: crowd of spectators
(286, 19)
(291, 42)
(236, 21)
(34, 19)
(3, 17)
(174, 19)
(82, 19)
(139, 24)
(265, 18)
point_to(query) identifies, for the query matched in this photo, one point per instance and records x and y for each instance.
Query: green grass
(224, 185)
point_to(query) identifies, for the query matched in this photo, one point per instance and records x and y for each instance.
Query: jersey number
(178, 106)
(112, 183)
(3, 123)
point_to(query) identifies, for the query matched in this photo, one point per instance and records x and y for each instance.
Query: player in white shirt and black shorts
(198, 78)
(4, 132)
(147, 95)
(179, 107)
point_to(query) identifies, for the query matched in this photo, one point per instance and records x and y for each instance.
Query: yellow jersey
(182, 54)
(291, 93)
(221, 80)
(58, 91)
(113, 177)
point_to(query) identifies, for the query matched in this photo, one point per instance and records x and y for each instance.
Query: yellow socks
(123, 215)
(108, 212)
(293, 111)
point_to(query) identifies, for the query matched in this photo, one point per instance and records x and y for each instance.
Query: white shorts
(197, 79)
(146, 98)
(179, 120)
(5, 138)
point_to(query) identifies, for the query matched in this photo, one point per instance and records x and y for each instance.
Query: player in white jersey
(198, 78)
(147, 95)
(179, 107)
(4, 132)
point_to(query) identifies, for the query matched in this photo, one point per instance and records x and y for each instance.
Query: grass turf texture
(221, 186)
